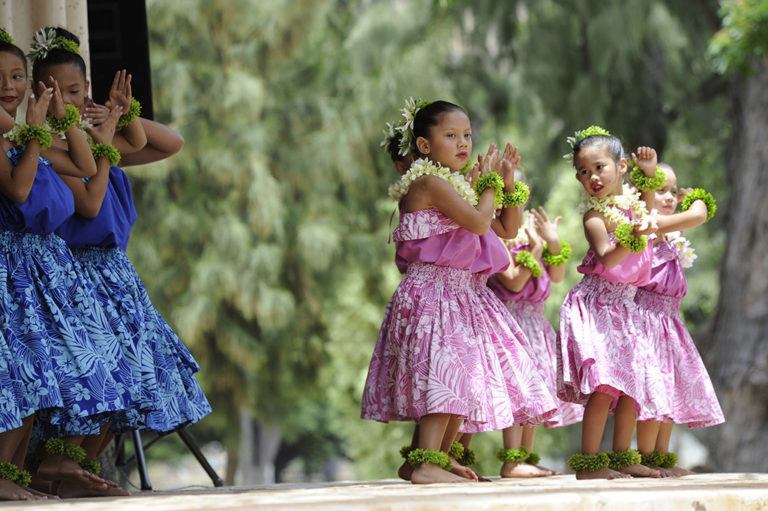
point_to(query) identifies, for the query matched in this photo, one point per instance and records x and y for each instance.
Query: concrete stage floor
(705, 492)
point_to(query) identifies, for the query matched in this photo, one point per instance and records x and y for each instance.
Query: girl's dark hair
(429, 116)
(57, 56)
(15, 50)
(613, 144)
(393, 147)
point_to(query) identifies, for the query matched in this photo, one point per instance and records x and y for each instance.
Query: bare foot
(640, 471)
(74, 490)
(58, 468)
(405, 471)
(462, 471)
(603, 473)
(12, 491)
(522, 470)
(678, 472)
(549, 471)
(428, 473)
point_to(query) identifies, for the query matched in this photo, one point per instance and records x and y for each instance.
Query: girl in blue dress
(98, 234)
(51, 333)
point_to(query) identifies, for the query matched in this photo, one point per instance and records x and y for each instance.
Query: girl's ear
(422, 144)
(622, 166)
(88, 88)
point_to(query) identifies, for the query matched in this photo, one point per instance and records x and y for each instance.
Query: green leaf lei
(588, 462)
(418, 456)
(406, 450)
(107, 151)
(702, 195)
(131, 115)
(534, 458)
(557, 259)
(518, 196)
(71, 118)
(526, 260)
(625, 238)
(462, 454)
(491, 180)
(623, 459)
(11, 472)
(57, 447)
(92, 466)
(21, 134)
(520, 455)
(5, 37)
(645, 183)
(669, 461)
(652, 459)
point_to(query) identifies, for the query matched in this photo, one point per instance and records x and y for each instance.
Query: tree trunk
(737, 353)
(259, 444)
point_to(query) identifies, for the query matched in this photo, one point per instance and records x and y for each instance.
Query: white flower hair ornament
(409, 111)
(45, 40)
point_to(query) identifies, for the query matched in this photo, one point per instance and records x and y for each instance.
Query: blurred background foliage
(265, 240)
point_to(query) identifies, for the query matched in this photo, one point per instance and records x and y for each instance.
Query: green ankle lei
(418, 456)
(405, 451)
(462, 454)
(92, 466)
(658, 459)
(623, 459)
(57, 447)
(521, 455)
(588, 462)
(11, 472)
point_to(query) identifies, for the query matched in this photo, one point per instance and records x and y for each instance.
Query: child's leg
(529, 437)
(9, 443)
(432, 429)
(405, 470)
(451, 432)
(514, 466)
(625, 419)
(647, 435)
(662, 445)
(592, 428)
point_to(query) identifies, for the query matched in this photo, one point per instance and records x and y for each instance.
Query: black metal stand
(141, 462)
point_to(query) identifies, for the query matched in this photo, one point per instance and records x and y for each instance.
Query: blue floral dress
(171, 397)
(54, 355)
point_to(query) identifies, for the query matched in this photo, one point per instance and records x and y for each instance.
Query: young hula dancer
(98, 235)
(606, 357)
(56, 358)
(436, 359)
(537, 258)
(686, 380)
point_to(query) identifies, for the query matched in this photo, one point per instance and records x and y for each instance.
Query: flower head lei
(425, 167)
(581, 135)
(46, 39)
(405, 126)
(5, 37)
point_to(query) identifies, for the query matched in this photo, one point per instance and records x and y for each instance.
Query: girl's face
(667, 198)
(13, 82)
(72, 83)
(597, 171)
(450, 140)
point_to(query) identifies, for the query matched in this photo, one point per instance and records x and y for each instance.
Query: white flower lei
(685, 252)
(612, 208)
(425, 167)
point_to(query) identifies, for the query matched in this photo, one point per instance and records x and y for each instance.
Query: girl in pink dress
(441, 357)
(537, 258)
(686, 381)
(605, 357)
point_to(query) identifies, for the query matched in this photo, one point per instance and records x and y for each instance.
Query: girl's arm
(131, 137)
(507, 223)
(600, 242)
(77, 159)
(515, 277)
(548, 232)
(16, 182)
(646, 159)
(695, 216)
(90, 196)
(431, 191)
(162, 143)
(6, 121)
